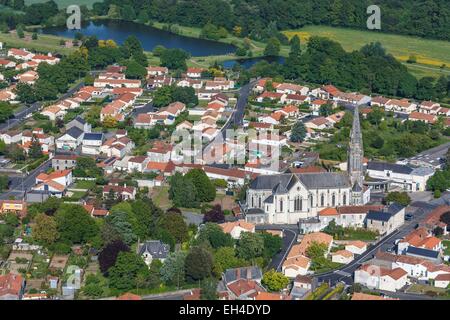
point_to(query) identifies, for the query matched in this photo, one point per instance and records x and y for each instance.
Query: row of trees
(257, 20)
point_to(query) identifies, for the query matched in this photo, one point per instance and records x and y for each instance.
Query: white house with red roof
(20, 54)
(236, 228)
(4, 63)
(157, 71)
(194, 72)
(381, 278)
(39, 58)
(55, 183)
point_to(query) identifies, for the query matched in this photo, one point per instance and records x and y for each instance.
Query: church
(287, 198)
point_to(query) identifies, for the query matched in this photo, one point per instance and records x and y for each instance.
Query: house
(91, 143)
(117, 147)
(442, 281)
(429, 107)
(174, 109)
(271, 96)
(18, 207)
(20, 54)
(55, 183)
(80, 123)
(122, 192)
(11, 286)
(319, 123)
(385, 222)
(411, 179)
(70, 140)
(240, 284)
(400, 106)
(157, 71)
(342, 256)
(28, 77)
(117, 83)
(53, 112)
(419, 116)
(194, 72)
(94, 212)
(423, 253)
(236, 228)
(8, 94)
(160, 152)
(11, 137)
(356, 247)
(295, 266)
(272, 119)
(4, 63)
(210, 133)
(290, 88)
(302, 286)
(419, 238)
(154, 249)
(380, 278)
(289, 111)
(185, 125)
(64, 162)
(379, 101)
(193, 83)
(296, 99)
(39, 58)
(138, 164)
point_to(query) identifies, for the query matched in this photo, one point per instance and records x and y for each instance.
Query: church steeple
(355, 159)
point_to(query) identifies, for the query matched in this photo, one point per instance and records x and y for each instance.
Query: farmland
(430, 54)
(64, 3)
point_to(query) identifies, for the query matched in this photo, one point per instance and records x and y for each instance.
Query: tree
(182, 191)
(399, 197)
(35, 148)
(204, 188)
(25, 93)
(214, 215)
(75, 225)
(213, 235)
(175, 226)
(108, 256)
(87, 167)
(272, 245)
(174, 59)
(208, 290)
(298, 132)
(45, 229)
(20, 32)
(250, 246)
(445, 218)
(172, 272)
(325, 110)
(272, 48)
(316, 250)
(225, 258)
(129, 267)
(119, 221)
(162, 97)
(34, 36)
(135, 70)
(198, 264)
(143, 17)
(439, 181)
(275, 281)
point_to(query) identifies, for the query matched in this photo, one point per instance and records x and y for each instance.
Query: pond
(249, 62)
(150, 37)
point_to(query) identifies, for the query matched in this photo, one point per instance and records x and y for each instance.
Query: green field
(44, 43)
(431, 54)
(64, 3)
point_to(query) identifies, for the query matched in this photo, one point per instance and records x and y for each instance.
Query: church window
(281, 205)
(259, 202)
(322, 200)
(333, 200)
(311, 201)
(344, 200)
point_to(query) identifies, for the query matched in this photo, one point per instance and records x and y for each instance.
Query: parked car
(408, 217)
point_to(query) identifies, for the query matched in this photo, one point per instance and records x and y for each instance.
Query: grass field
(431, 54)
(65, 3)
(44, 43)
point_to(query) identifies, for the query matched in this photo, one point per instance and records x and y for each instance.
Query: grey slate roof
(247, 273)
(394, 208)
(320, 180)
(422, 252)
(378, 216)
(93, 136)
(385, 166)
(74, 132)
(269, 199)
(156, 249)
(80, 120)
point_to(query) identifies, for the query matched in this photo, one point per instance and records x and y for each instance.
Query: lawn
(64, 3)
(84, 184)
(160, 196)
(431, 54)
(358, 234)
(45, 43)
(422, 289)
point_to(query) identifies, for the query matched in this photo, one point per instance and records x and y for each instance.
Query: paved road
(434, 156)
(28, 182)
(20, 116)
(290, 234)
